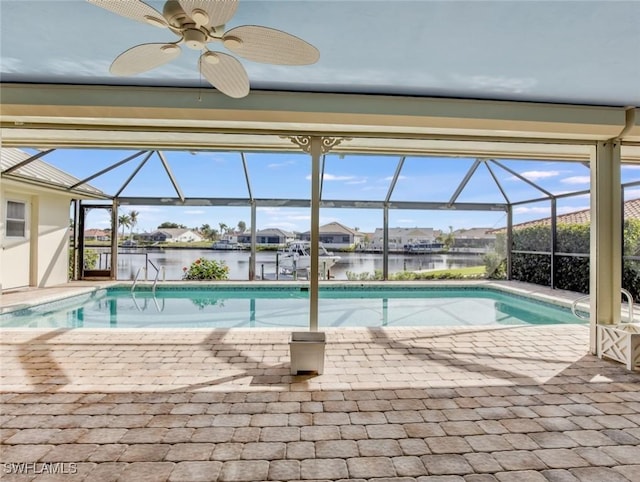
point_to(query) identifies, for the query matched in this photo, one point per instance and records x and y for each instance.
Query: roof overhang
(192, 110)
(25, 184)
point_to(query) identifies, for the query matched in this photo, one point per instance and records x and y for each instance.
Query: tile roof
(631, 211)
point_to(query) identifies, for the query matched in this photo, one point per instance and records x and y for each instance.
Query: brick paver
(518, 404)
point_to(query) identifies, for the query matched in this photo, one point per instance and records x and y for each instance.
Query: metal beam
(322, 165)
(27, 161)
(104, 171)
(509, 242)
(556, 196)
(305, 203)
(464, 181)
(167, 168)
(521, 177)
(246, 175)
(385, 243)
(554, 241)
(252, 258)
(133, 174)
(396, 175)
(495, 179)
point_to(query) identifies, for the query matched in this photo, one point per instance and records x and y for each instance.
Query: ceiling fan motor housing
(194, 38)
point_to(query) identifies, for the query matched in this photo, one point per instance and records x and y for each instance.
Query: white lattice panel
(621, 343)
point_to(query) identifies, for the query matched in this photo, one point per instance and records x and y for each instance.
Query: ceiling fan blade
(269, 46)
(225, 73)
(143, 57)
(134, 9)
(218, 12)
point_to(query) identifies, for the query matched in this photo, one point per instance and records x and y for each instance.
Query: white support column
(606, 237)
(34, 240)
(316, 146)
(114, 239)
(316, 152)
(252, 256)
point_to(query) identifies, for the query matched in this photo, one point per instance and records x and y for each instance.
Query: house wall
(53, 240)
(41, 258)
(15, 255)
(188, 237)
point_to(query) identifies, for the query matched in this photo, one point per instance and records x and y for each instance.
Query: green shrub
(571, 272)
(376, 276)
(206, 269)
(90, 260)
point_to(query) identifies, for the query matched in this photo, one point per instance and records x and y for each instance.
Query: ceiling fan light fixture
(194, 39)
(211, 58)
(200, 17)
(232, 43)
(156, 22)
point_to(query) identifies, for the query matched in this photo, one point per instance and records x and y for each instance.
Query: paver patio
(405, 404)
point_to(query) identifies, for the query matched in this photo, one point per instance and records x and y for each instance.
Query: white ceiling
(545, 51)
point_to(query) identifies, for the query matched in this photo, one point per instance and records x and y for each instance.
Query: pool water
(288, 307)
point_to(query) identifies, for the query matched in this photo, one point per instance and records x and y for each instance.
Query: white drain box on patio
(307, 351)
(620, 342)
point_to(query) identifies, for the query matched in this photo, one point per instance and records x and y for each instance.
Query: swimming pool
(223, 306)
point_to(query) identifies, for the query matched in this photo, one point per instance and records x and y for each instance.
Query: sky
(211, 174)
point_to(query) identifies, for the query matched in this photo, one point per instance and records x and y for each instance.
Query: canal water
(174, 260)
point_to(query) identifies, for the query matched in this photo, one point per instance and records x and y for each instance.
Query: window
(16, 219)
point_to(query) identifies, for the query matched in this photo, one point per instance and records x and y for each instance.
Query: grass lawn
(469, 271)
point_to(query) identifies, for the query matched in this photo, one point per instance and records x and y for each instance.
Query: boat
(225, 245)
(423, 247)
(297, 256)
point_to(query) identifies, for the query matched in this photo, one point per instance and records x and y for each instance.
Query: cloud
(195, 211)
(571, 209)
(375, 188)
(333, 177)
(630, 166)
(278, 165)
(631, 194)
(533, 210)
(406, 221)
(141, 209)
(580, 196)
(390, 178)
(269, 209)
(576, 180)
(536, 175)
(361, 181)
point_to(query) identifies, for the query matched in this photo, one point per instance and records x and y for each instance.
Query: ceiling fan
(198, 23)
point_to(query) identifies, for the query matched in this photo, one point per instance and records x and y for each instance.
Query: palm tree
(242, 226)
(206, 231)
(447, 239)
(125, 221)
(223, 228)
(133, 220)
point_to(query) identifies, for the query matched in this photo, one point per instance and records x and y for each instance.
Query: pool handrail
(135, 279)
(155, 281)
(625, 292)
